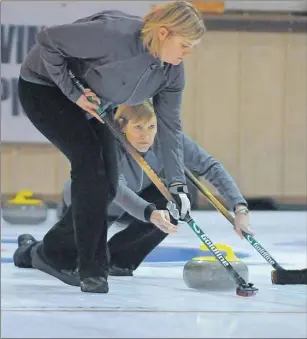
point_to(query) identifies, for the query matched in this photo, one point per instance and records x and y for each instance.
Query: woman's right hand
(90, 107)
(161, 219)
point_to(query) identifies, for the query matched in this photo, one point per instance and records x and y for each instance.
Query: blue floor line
(160, 254)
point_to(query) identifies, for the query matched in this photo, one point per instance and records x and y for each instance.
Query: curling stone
(207, 273)
(24, 210)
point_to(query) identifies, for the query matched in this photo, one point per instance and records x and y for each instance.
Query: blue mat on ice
(159, 254)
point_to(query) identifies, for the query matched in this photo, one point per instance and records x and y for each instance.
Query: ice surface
(155, 303)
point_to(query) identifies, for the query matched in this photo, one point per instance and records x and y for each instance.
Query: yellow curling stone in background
(207, 273)
(24, 210)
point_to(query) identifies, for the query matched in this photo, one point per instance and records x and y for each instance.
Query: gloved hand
(242, 222)
(180, 194)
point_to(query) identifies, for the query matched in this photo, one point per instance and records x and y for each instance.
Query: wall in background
(244, 102)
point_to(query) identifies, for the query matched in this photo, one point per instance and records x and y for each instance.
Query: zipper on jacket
(138, 83)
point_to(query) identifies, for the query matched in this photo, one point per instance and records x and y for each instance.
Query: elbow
(44, 40)
(212, 171)
(41, 36)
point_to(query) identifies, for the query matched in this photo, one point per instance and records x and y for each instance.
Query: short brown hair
(141, 112)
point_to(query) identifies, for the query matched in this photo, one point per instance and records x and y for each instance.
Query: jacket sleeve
(167, 105)
(203, 164)
(66, 194)
(130, 201)
(81, 40)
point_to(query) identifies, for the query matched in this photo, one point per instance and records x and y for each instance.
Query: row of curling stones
(207, 273)
(23, 209)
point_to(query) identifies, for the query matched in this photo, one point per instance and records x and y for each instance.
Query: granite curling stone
(207, 273)
(24, 210)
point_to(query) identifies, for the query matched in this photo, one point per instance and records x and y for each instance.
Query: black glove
(180, 194)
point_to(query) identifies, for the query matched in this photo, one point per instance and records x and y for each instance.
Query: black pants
(90, 148)
(127, 248)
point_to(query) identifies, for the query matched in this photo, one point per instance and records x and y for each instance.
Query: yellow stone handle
(230, 254)
(24, 197)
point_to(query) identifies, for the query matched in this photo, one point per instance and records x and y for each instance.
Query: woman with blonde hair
(137, 201)
(122, 59)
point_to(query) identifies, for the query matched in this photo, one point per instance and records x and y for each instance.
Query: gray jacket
(133, 180)
(106, 52)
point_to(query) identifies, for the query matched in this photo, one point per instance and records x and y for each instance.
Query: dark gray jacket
(106, 52)
(133, 180)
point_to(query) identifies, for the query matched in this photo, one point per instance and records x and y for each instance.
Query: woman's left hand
(242, 222)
